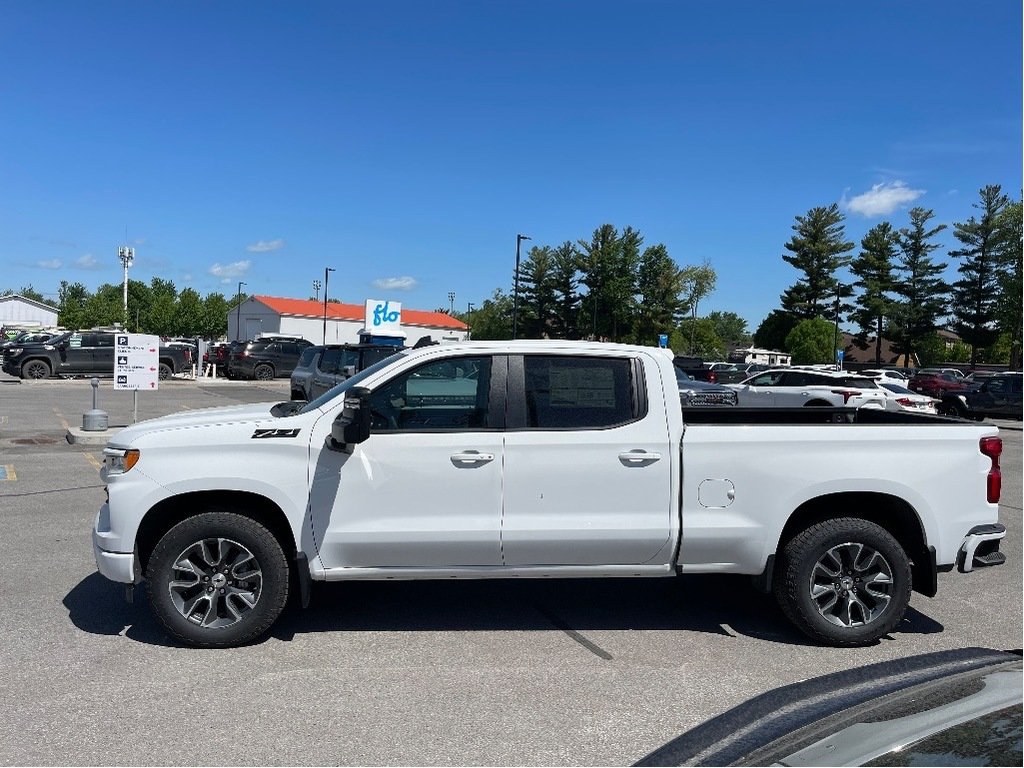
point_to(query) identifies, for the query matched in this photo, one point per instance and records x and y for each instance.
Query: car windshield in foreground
(352, 381)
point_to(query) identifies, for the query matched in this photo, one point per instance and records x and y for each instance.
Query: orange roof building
(344, 322)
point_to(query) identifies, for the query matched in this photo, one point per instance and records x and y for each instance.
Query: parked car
(884, 374)
(955, 707)
(28, 337)
(998, 395)
(322, 367)
(796, 387)
(702, 393)
(936, 383)
(903, 398)
(265, 359)
(82, 353)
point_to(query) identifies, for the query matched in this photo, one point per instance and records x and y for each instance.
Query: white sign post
(136, 364)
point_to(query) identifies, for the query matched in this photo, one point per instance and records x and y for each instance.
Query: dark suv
(82, 353)
(265, 359)
(998, 395)
(322, 367)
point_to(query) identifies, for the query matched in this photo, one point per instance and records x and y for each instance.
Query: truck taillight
(993, 447)
(846, 393)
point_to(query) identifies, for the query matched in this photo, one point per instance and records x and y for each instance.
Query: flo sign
(383, 318)
(136, 361)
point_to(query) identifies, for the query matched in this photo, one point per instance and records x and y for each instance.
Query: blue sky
(406, 144)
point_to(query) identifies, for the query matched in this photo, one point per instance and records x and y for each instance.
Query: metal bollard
(94, 420)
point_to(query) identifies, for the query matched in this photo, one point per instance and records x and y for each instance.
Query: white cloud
(50, 264)
(882, 199)
(86, 261)
(264, 246)
(395, 283)
(228, 272)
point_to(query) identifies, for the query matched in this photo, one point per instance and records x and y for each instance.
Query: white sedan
(902, 398)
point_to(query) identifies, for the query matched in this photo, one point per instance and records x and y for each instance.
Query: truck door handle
(472, 457)
(638, 457)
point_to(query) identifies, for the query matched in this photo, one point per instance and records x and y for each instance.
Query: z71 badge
(262, 434)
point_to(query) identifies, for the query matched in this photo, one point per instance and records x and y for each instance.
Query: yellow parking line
(96, 463)
(63, 421)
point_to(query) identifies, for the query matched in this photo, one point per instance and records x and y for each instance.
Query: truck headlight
(14, 351)
(120, 460)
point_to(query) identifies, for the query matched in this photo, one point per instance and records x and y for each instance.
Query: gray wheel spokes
(215, 583)
(851, 584)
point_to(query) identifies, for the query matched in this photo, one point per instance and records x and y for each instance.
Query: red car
(935, 383)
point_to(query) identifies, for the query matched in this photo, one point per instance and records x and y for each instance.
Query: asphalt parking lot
(481, 673)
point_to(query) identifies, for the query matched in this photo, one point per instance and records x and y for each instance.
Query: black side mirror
(353, 424)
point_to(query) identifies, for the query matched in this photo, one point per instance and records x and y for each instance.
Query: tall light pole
(316, 290)
(238, 313)
(451, 302)
(127, 256)
(515, 290)
(327, 273)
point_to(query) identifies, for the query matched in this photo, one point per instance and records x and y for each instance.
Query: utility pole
(238, 313)
(327, 274)
(515, 291)
(127, 256)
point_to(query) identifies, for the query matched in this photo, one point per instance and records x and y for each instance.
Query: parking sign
(136, 361)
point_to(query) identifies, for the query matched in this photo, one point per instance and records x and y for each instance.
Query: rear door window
(579, 392)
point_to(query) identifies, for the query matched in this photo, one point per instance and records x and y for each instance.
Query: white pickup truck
(541, 459)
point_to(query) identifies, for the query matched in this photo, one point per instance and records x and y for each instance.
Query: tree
(697, 282)
(28, 292)
(537, 293)
(659, 284)
(215, 316)
(819, 250)
(565, 265)
(1009, 317)
(188, 314)
(71, 299)
(812, 342)
(493, 318)
(920, 289)
(730, 328)
(873, 266)
(773, 330)
(609, 263)
(975, 294)
(700, 338)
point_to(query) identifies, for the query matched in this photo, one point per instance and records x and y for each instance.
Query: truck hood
(235, 414)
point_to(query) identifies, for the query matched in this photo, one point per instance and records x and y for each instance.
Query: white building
(18, 311)
(345, 322)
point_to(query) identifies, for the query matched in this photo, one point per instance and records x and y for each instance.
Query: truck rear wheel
(217, 580)
(844, 582)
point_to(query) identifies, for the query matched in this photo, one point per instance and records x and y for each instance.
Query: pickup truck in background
(542, 459)
(83, 353)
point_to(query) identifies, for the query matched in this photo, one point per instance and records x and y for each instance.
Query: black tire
(35, 369)
(165, 371)
(263, 372)
(241, 580)
(876, 593)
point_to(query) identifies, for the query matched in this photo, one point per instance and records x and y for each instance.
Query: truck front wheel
(35, 369)
(217, 580)
(844, 582)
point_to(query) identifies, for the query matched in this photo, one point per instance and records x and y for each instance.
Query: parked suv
(322, 367)
(795, 387)
(266, 359)
(935, 383)
(82, 353)
(998, 395)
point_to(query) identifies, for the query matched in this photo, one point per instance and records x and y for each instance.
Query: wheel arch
(38, 359)
(169, 512)
(890, 512)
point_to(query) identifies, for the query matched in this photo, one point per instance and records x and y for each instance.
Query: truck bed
(806, 415)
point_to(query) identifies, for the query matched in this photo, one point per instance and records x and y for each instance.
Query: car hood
(235, 414)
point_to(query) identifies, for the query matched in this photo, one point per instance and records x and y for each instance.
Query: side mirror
(353, 424)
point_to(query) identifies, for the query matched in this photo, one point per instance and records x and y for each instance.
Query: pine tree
(565, 282)
(536, 293)
(920, 290)
(873, 266)
(1009, 315)
(975, 294)
(659, 284)
(819, 250)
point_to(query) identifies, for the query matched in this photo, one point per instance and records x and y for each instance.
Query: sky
(406, 144)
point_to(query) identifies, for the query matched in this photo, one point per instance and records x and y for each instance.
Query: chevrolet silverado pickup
(536, 459)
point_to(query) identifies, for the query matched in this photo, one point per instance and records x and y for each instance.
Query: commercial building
(16, 310)
(346, 323)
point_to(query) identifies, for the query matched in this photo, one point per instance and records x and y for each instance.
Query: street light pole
(327, 273)
(316, 290)
(451, 302)
(238, 313)
(515, 290)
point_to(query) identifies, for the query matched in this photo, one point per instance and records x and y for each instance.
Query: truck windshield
(352, 381)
